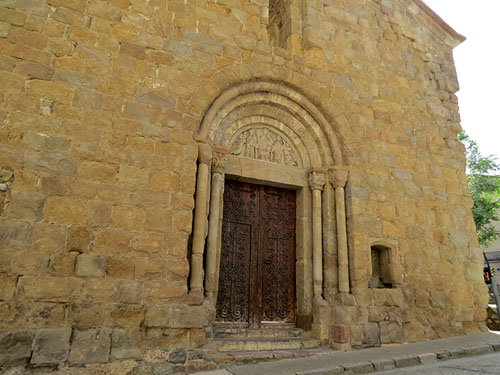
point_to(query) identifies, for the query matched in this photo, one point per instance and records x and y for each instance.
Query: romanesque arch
(267, 132)
(273, 101)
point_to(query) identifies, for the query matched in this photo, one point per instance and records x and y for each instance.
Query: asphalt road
(479, 365)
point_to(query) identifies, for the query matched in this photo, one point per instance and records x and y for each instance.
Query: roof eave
(452, 38)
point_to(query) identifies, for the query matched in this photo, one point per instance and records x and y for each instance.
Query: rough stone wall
(408, 183)
(99, 105)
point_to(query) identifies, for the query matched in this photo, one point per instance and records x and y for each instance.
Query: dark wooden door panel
(233, 299)
(277, 254)
(238, 252)
(257, 274)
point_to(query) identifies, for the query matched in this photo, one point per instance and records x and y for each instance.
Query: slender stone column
(330, 277)
(218, 165)
(338, 178)
(200, 219)
(219, 240)
(317, 181)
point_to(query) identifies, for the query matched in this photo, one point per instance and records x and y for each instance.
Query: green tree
(484, 185)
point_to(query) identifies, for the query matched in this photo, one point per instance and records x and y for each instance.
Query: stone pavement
(365, 361)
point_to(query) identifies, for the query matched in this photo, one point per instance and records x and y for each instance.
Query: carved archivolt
(281, 116)
(264, 144)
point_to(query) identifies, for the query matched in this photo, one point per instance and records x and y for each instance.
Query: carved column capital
(317, 180)
(204, 153)
(338, 176)
(219, 159)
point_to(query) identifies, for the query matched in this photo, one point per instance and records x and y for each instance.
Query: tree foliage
(484, 185)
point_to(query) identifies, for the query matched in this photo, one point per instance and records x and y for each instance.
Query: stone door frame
(268, 133)
(262, 173)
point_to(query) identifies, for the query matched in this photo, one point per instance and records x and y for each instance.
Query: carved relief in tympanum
(264, 144)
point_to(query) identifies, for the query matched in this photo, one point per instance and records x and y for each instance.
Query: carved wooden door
(257, 266)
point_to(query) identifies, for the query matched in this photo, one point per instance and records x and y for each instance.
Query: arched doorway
(266, 134)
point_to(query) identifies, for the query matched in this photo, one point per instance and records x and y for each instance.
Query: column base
(340, 347)
(346, 299)
(194, 297)
(318, 300)
(321, 331)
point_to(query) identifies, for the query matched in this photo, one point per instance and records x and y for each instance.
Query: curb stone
(479, 349)
(359, 368)
(336, 370)
(384, 364)
(426, 358)
(391, 363)
(443, 355)
(457, 353)
(496, 346)
(406, 361)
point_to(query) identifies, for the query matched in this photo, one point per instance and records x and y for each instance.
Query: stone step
(258, 356)
(220, 333)
(265, 344)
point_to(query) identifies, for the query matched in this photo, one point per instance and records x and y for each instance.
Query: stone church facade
(171, 166)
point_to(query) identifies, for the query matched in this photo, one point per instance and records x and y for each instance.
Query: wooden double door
(257, 264)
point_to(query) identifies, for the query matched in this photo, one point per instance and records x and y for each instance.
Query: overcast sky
(478, 66)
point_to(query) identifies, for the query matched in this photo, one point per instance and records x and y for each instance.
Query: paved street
(475, 354)
(483, 364)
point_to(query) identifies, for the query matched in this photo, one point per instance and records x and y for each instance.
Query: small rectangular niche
(381, 277)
